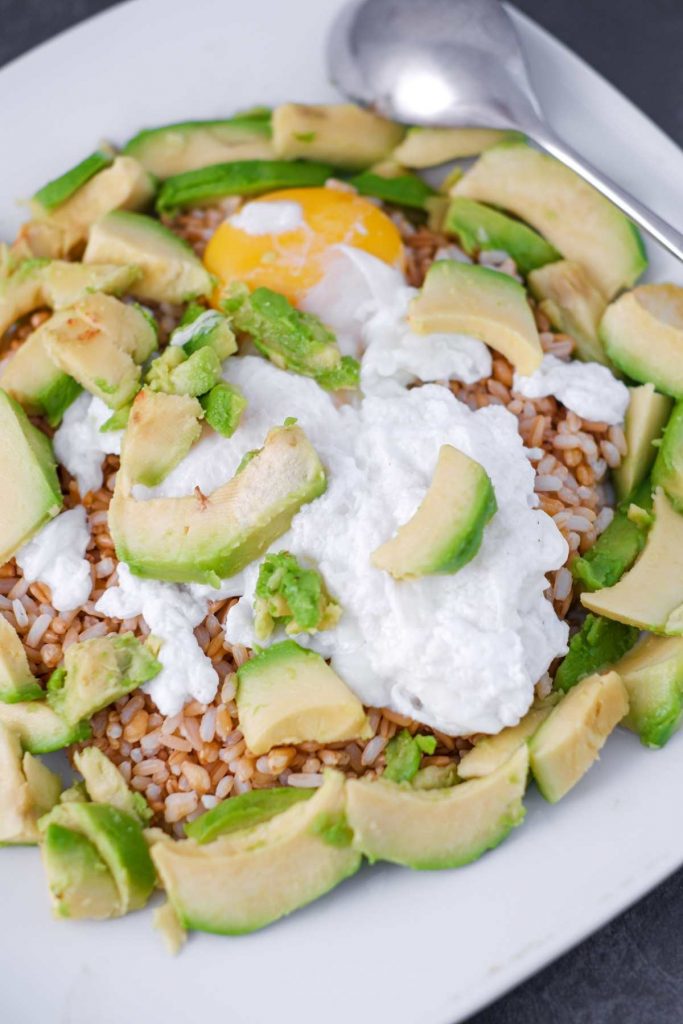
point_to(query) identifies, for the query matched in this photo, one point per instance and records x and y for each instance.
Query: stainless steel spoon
(457, 63)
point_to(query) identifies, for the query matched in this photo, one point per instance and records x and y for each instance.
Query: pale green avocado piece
(435, 776)
(165, 920)
(287, 694)
(106, 785)
(244, 811)
(160, 432)
(598, 644)
(97, 672)
(428, 147)
(397, 189)
(27, 791)
(439, 828)
(223, 406)
(479, 227)
(206, 538)
(176, 148)
(341, 134)
(668, 467)
(573, 304)
(170, 270)
(490, 752)
(248, 879)
(482, 303)
(21, 287)
(570, 739)
(28, 478)
(446, 530)
(17, 682)
(643, 335)
(62, 188)
(570, 214)
(653, 676)
(176, 373)
(404, 753)
(40, 729)
(207, 328)
(79, 881)
(290, 595)
(646, 417)
(650, 595)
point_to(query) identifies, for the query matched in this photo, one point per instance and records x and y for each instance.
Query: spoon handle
(655, 226)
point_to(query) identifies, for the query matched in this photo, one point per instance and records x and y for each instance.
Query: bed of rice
(187, 763)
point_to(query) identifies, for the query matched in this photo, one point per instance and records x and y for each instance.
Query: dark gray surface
(631, 972)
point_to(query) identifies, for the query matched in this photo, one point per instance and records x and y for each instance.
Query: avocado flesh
(79, 881)
(490, 752)
(17, 682)
(207, 328)
(40, 729)
(170, 271)
(573, 304)
(485, 304)
(106, 785)
(668, 468)
(244, 811)
(647, 415)
(177, 148)
(650, 595)
(340, 134)
(223, 407)
(599, 643)
(653, 676)
(446, 531)
(23, 797)
(439, 828)
(161, 430)
(479, 227)
(36, 382)
(205, 539)
(249, 879)
(570, 739)
(643, 335)
(62, 188)
(400, 190)
(427, 147)
(617, 547)
(28, 479)
(176, 373)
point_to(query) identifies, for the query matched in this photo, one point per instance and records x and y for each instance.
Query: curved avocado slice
(17, 682)
(598, 643)
(438, 828)
(427, 147)
(39, 728)
(573, 304)
(485, 304)
(653, 676)
(244, 811)
(341, 134)
(247, 880)
(401, 190)
(106, 785)
(643, 335)
(668, 467)
(27, 791)
(646, 417)
(160, 432)
(62, 188)
(617, 547)
(480, 227)
(490, 752)
(79, 881)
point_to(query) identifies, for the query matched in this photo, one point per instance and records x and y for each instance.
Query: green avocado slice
(652, 673)
(647, 415)
(106, 785)
(173, 149)
(643, 335)
(599, 642)
(17, 682)
(79, 881)
(27, 790)
(617, 547)
(479, 227)
(244, 811)
(62, 188)
(40, 729)
(403, 190)
(668, 467)
(341, 134)
(161, 430)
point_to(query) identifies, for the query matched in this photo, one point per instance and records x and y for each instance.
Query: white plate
(389, 945)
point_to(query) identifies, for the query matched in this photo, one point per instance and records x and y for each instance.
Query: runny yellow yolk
(293, 262)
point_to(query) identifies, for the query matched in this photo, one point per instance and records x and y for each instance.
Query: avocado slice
(244, 811)
(57, 191)
(646, 417)
(650, 596)
(161, 430)
(170, 270)
(27, 790)
(17, 682)
(570, 739)
(479, 227)
(653, 676)
(340, 134)
(36, 382)
(205, 539)
(573, 304)
(289, 595)
(427, 147)
(643, 335)
(439, 828)
(599, 643)
(106, 785)
(447, 529)
(223, 406)
(482, 303)
(28, 478)
(490, 752)
(617, 547)
(400, 190)
(176, 373)
(287, 694)
(40, 729)
(578, 221)
(250, 878)
(668, 467)
(208, 328)
(79, 881)
(176, 148)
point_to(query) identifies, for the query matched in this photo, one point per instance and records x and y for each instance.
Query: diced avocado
(653, 676)
(341, 134)
(247, 880)
(573, 304)
(436, 776)
(617, 547)
(17, 682)
(668, 467)
(646, 417)
(241, 178)
(209, 328)
(106, 785)
(404, 755)
(79, 881)
(40, 729)
(643, 335)
(244, 811)
(24, 796)
(289, 595)
(401, 190)
(176, 148)
(599, 643)
(170, 270)
(650, 596)
(483, 303)
(62, 188)
(287, 694)
(223, 407)
(176, 373)
(490, 752)
(98, 672)
(161, 430)
(446, 530)
(570, 739)
(479, 227)
(427, 147)
(205, 539)
(31, 494)
(439, 828)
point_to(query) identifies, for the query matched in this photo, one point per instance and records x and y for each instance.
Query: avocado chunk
(248, 879)
(340, 134)
(599, 643)
(447, 529)
(176, 148)
(287, 694)
(573, 304)
(244, 811)
(205, 539)
(78, 879)
(617, 547)
(400, 190)
(479, 227)
(161, 430)
(242, 178)
(165, 920)
(28, 478)
(40, 729)
(643, 335)
(482, 303)
(652, 673)
(668, 467)
(170, 270)
(436, 776)
(27, 791)
(223, 406)
(106, 785)
(646, 417)
(208, 328)
(17, 682)
(490, 752)
(439, 828)
(176, 373)
(36, 382)
(650, 595)
(570, 739)
(289, 595)
(97, 672)
(404, 755)
(57, 191)
(427, 147)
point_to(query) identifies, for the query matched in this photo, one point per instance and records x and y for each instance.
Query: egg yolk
(293, 261)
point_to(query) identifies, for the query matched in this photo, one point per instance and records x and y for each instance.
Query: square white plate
(389, 945)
